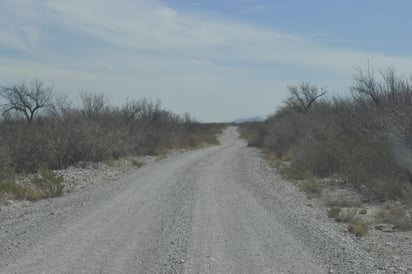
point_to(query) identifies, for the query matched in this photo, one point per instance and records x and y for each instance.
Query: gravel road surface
(214, 210)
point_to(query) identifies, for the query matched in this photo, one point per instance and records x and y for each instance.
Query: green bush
(49, 183)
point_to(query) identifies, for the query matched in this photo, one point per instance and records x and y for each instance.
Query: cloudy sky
(218, 60)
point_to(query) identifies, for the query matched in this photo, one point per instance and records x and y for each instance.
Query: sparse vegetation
(33, 194)
(364, 137)
(358, 228)
(48, 183)
(396, 215)
(346, 215)
(349, 216)
(334, 212)
(343, 201)
(12, 190)
(137, 163)
(310, 187)
(39, 129)
(253, 132)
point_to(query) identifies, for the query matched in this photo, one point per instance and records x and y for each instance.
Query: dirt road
(215, 210)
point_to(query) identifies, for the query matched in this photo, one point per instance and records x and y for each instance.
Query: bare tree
(366, 85)
(26, 99)
(303, 97)
(93, 104)
(132, 109)
(60, 106)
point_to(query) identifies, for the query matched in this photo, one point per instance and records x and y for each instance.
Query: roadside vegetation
(364, 138)
(40, 132)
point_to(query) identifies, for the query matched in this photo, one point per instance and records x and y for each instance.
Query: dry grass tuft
(334, 212)
(12, 190)
(358, 228)
(310, 187)
(137, 163)
(49, 183)
(33, 194)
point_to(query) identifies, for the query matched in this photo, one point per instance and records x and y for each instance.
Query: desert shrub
(346, 216)
(253, 132)
(284, 129)
(12, 190)
(50, 184)
(6, 172)
(358, 228)
(355, 226)
(137, 163)
(310, 187)
(33, 194)
(365, 137)
(396, 215)
(94, 131)
(314, 157)
(193, 135)
(334, 212)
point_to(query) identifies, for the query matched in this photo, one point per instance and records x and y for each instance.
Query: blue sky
(219, 60)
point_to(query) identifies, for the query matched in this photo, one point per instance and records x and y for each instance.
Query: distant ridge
(249, 119)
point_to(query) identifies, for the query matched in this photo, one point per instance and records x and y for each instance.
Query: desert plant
(334, 212)
(346, 215)
(137, 163)
(364, 137)
(396, 215)
(12, 190)
(33, 194)
(358, 228)
(310, 187)
(50, 184)
(253, 132)
(93, 131)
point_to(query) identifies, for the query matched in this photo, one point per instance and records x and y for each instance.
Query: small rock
(384, 228)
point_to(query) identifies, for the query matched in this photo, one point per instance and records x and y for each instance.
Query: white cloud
(193, 62)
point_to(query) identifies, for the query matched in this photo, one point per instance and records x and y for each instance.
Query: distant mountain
(250, 119)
